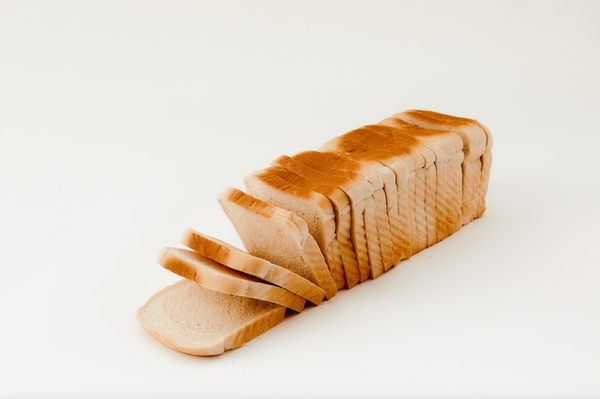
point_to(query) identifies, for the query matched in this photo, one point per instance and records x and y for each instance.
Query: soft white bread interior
(278, 236)
(192, 319)
(217, 277)
(237, 259)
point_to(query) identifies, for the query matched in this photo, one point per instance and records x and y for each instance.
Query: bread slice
(314, 208)
(414, 162)
(364, 242)
(476, 141)
(360, 148)
(425, 177)
(279, 236)
(192, 319)
(379, 177)
(447, 147)
(237, 259)
(216, 277)
(350, 249)
(367, 144)
(376, 217)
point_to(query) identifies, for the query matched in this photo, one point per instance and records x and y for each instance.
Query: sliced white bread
(360, 232)
(350, 252)
(425, 176)
(435, 174)
(192, 319)
(448, 149)
(469, 129)
(375, 204)
(367, 144)
(235, 258)
(382, 179)
(279, 236)
(314, 208)
(476, 140)
(400, 166)
(414, 162)
(216, 277)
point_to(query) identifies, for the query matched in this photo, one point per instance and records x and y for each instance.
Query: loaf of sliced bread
(217, 277)
(192, 319)
(237, 259)
(320, 221)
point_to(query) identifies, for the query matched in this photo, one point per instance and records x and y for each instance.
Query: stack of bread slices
(321, 221)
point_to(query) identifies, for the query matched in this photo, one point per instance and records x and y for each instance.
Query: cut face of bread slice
(364, 240)
(312, 207)
(216, 277)
(315, 209)
(279, 236)
(237, 259)
(350, 252)
(192, 319)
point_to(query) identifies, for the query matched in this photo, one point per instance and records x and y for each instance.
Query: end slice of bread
(279, 236)
(237, 259)
(192, 319)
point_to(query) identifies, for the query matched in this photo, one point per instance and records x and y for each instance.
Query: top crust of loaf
(476, 138)
(237, 259)
(449, 141)
(192, 319)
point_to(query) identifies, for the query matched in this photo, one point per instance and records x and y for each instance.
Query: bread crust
(235, 201)
(237, 259)
(217, 277)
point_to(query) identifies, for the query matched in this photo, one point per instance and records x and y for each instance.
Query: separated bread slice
(216, 277)
(237, 259)
(192, 319)
(279, 236)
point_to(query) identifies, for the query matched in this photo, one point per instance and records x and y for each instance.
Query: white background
(120, 122)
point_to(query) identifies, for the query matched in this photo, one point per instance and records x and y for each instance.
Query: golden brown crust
(207, 273)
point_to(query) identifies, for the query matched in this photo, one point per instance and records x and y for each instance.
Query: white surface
(120, 122)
